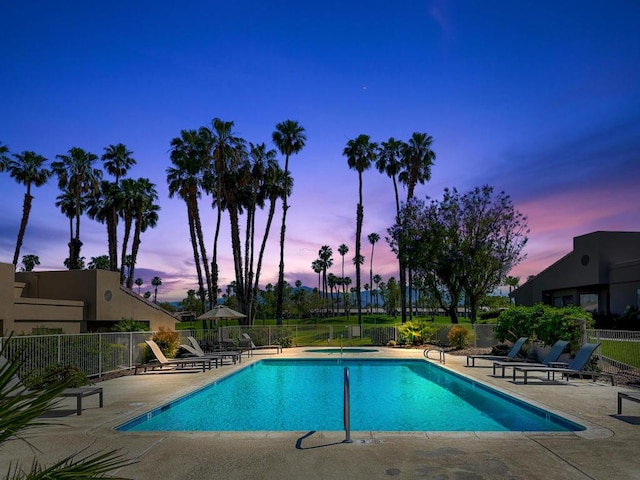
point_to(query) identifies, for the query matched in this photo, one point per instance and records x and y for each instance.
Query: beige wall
(72, 300)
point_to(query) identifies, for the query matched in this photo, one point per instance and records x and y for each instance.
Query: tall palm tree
(271, 188)
(100, 207)
(373, 239)
(289, 138)
(343, 250)
(117, 161)
(325, 255)
(227, 152)
(389, 162)
(417, 160)
(146, 216)
(27, 169)
(360, 153)
(190, 156)
(139, 283)
(156, 282)
(78, 177)
(316, 266)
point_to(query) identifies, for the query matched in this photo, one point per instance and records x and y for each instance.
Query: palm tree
(190, 155)
(128, 198)
(227, 153)
(289, 138)
(325, 255)
(360, 153)
(139, 283)
(27, 169)
(4, 157)
(274, 188)
(117, 161)
(100, 207)
(146, 216)
(99, 263)
(343, 250)
(390, 163)
(29, 262)
(156, 282)
(377, 279)
(417, 159)
(316, 266)
(373, 239)
(78, 178)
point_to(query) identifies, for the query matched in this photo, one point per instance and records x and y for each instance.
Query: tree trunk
(26, 209)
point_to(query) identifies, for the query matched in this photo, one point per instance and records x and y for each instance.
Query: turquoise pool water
(386, 395)
(344, 350)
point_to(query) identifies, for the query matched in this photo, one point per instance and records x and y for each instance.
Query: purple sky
(539, 99)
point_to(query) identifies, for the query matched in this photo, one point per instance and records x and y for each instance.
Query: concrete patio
(607, 449)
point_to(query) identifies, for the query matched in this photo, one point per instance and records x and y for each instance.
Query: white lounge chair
(162, 361)
(253, 346)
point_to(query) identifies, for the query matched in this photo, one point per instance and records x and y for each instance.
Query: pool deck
(607, 449)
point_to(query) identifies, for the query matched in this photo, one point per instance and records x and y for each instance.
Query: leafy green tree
(27, 168)
(464, 242)
(360, 153)
(289, 138)
(29, 262)
(77, 179)
(191, 303)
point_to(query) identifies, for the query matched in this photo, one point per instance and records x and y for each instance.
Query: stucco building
(71, 302)
(601, 274)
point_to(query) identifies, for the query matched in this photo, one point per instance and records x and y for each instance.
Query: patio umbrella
(220, 312)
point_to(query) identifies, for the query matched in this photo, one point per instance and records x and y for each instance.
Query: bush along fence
(96, 354)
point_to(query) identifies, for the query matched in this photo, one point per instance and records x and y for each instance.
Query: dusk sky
(539, 99)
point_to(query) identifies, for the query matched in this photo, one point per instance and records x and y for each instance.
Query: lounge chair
(511, 356)
(16, 387)
(253, 346)
(196, 350)
(575, 367)
(162, 361)
(550, 358)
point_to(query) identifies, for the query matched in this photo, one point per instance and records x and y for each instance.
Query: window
(589, 301)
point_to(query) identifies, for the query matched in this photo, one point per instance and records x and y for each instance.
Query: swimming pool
(386, 395)
(341, 350)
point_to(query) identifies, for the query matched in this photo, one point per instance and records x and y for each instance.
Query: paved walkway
(608, 449)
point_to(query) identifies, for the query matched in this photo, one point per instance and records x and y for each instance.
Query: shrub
(416, 332)
(130, 325)
(168, 341)
(56, 374)
(543, 323)
(459, 337)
